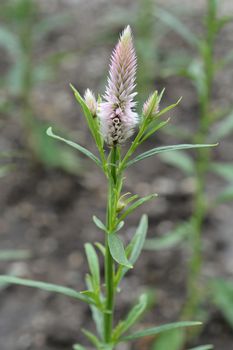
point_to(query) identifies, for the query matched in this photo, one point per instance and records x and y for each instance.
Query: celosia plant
(112, 122)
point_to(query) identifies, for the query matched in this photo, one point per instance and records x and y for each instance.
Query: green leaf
(175, 24)
(172, 340)
(92, 123)
(137, 204)
(170, 239)
(223, 169)
(10, 41)
(96, 310)
(136, 244)
(5, 169)
(120, 225)
(180, 160)
(222, 292)
(131, 318)
(76, 146)
(117, 250)
(134, 248)
(162, 149)
(153, 129)
(226, 195)
(167, 109)
(78, 347)
(99, 223)
(6, 255)
(223, 128)
(92, 338)
(203, 347)
(160, 329)
(44, 286)
(93, 263)
(101, 247)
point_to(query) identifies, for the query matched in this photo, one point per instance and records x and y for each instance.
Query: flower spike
(117, 116)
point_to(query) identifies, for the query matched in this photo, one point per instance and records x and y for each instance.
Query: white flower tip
(126, 34)
(91, 102)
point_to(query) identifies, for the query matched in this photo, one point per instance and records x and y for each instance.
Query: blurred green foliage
(23, 30)
(201, 67)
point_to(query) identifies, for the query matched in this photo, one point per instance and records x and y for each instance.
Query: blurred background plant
(22, 30)
(213, 125)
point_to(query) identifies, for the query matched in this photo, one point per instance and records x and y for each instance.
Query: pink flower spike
(117, 116)
(91, 102)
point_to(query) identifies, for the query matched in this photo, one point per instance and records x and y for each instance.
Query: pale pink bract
(117, 116)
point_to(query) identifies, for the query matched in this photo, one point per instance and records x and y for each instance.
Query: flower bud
(151, 106)
(91, 102)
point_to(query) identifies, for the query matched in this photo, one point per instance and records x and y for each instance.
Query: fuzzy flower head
(117, 116)
(91, 102)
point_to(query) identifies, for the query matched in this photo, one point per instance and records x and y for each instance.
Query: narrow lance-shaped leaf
(172, 340)
(75, 145)
(97, 313)
(78, 347)
(134, 248)
(203, 347)
(223, 169)
(92, 338)
(167, 109)
(160, 329)
(170, 239)
(153, 129)
(136, 245)
(45, 286)
(226, 195)
(14, 254)
(117, 250)
(100, 247)
(223, 128)
(132, 317)
(99, 223)
(162, 149)
(93, 263)
(137, 204)
(222, 292)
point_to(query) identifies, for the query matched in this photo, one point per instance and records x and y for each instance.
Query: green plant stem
(194, 292)
(109, 263)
